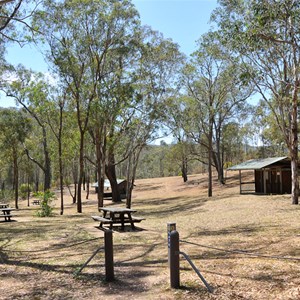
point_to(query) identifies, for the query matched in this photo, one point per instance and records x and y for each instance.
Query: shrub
(24, 189)
(45, 204)
(6, 195)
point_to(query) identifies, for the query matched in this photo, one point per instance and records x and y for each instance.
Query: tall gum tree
(216, 95)
(30, 91)
(81, 36)
(266, 35)
(14, 128)
(157, 71)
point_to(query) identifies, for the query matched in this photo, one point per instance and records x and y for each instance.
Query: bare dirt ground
(245, 246)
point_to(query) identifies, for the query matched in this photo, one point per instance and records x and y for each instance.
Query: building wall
(286, 181)
(273, 181)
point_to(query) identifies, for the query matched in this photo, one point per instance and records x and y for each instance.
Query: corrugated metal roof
(256, 164)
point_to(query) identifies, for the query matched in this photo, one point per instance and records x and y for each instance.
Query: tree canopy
(116, 86)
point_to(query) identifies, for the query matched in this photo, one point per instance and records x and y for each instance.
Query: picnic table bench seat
(6, 217)
(125, 220)
(102, 220)
(136, 219)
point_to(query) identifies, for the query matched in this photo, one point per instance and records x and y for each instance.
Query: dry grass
(39, 256)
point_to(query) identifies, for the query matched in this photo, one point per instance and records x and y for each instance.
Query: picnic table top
(7, 209)
(117, 209)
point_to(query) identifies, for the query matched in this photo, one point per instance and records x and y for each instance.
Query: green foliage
(45, 204)
(6, 195)
(24, 189)
(117, 81)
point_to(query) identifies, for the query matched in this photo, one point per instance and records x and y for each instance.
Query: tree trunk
(84, 180)
(217, 155)
(133, 160)
(209, 191)
(87, 186)
(100, 161)
(80, 175)
(294, 147)
(295, 182)
(47, 166)
(129, 178)
(61, 181)
(61, 178)
(184, 169)
(210, 152)
(74, 197)
(110, 171)
(111, 175)
(219, 166)
(16, 179)
(28, 190)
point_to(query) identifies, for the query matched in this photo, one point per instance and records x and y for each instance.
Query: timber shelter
(272, 175)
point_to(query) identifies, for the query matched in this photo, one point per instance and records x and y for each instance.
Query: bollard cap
(171, 226)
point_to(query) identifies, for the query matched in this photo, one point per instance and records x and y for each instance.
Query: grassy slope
(38, 256)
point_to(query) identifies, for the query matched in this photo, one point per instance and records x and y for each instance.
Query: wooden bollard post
(170, 227)
(109, 255)
(174, 259)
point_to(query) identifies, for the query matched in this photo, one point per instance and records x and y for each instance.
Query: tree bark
(184, 169)
(80, 175)
(16, 178)
(294, 146)
(47, 165)
(111, 175)
(61, 178)
(210, 150)
(99, 166)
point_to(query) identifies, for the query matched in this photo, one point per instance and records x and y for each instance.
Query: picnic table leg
(6, 217)
(112, 216)
(131, 221)
(122, 221)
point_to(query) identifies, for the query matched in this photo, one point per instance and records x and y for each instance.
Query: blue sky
(184, 21)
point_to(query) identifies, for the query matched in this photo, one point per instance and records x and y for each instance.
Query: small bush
(6, 195)
(24, 189)
(45, 204)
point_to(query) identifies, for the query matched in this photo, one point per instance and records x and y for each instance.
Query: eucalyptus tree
(15, 24)
(130, 102)
(14, 129)
(176, 119)
(217, 94)
(266, 35)
(54, 115)
(129, 112)
(114, 97)
(271, 140)
(178, 158)
(232, 145)
(81, 37)
(157, 73)
(31, 91)
(15, 17)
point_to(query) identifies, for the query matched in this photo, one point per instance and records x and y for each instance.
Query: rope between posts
(243, 252)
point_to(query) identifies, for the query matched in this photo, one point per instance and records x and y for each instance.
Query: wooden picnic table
(36, 202)
(6, 213)
(113, 215)
(4, 205)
